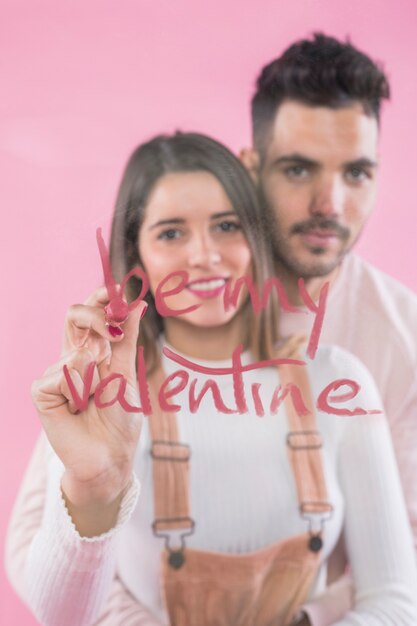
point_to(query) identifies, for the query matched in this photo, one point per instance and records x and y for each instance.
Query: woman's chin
(208, 320)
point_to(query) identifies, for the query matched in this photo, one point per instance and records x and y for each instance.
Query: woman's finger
(65, 359)
(123, 353)
(76, 384)
(54, 390)
(82, 319)
(78, 332)
(99, 297)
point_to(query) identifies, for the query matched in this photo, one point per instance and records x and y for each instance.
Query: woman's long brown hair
(189, 152)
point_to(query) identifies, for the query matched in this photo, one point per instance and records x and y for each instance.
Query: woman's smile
(206, 288)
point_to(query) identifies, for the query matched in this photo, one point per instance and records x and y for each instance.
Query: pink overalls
(261, 588)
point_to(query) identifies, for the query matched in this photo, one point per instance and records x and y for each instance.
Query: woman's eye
(227, 227)
(169, 234)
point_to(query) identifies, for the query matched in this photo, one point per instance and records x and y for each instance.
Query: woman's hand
(83, 328)
(96, 446)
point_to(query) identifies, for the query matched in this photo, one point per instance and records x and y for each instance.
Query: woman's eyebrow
(180, 220)
(173, 220)
(216, 216)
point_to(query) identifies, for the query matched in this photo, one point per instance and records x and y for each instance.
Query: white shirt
(243, 498)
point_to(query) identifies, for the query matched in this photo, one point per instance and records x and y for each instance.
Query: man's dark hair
(322, 71)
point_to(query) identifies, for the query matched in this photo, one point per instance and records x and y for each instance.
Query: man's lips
(321, 233)
(320, 238)
(207, 287)
(321, 227)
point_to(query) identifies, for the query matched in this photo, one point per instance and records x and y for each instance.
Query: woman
(237, 515)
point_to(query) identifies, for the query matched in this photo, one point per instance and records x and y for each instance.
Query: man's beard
(310, 269)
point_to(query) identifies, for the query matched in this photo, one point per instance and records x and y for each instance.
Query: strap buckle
(167, 521)
(317, 513)
(304, 440)
(176, 556)
(170, 451)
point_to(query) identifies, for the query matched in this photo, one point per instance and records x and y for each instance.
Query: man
(315, 115)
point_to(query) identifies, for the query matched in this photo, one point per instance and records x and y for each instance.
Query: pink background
(82, 83)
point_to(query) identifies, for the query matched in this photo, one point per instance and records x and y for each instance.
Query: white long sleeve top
(243, 498)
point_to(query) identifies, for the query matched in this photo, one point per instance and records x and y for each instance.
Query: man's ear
(250, 159)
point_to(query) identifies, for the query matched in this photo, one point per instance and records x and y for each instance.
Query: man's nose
(328, 198)
(203, 252)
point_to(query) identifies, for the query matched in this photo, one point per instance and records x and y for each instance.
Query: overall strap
(170, 466)
(304, 442)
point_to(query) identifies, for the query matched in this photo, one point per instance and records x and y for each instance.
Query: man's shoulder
(359, 267)
(374, 316)
(380, 291)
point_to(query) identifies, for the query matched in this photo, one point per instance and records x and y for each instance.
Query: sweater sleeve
(382, 585)
(376, 527)
(123, 608)
(65, 579)
(377, 532)
(404, 437)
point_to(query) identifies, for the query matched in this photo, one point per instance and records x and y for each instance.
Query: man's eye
(357, 174)
(227, 227)
(296, 171)
(169, 234)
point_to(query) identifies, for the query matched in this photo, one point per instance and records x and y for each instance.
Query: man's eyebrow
(361, 162)
(295, 158)
(300, 159)
(180, 220)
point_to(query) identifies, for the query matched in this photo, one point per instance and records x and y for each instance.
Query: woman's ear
(250, 159)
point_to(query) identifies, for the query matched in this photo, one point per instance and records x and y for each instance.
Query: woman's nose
(203, 252)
